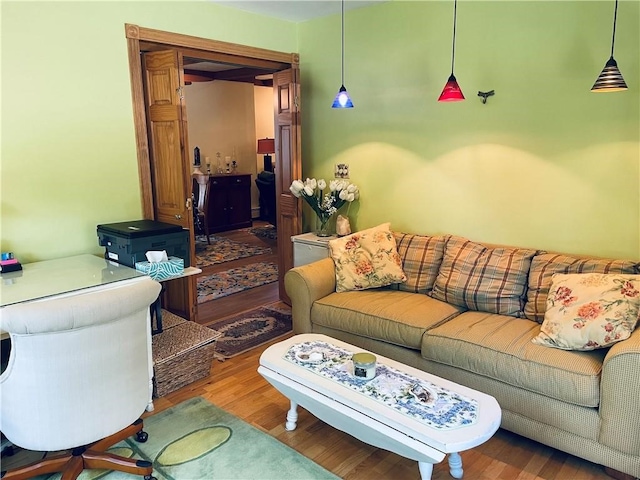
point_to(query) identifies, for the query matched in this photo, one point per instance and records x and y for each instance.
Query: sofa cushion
(586, 311)
(480, 278)
(500, 347)
(395, 317)
(421, 258)
(543, 266)
(366, 259)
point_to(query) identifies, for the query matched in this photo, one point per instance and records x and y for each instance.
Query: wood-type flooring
(221, 308)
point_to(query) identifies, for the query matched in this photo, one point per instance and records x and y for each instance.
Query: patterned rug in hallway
(224, 250)
(236, 280)
(251, 329)
(267, 231)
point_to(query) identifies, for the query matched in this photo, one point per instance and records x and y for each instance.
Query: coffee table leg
(292, 416)
(426, 469)
(455, 465)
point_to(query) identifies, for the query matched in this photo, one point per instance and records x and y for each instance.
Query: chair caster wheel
(142, 437)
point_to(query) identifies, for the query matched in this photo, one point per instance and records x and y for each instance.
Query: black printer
(127, 242)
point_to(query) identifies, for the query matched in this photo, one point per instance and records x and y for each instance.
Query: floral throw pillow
(366, 259)
(589, 310)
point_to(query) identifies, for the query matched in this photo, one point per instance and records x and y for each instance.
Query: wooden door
(168, 133)
(286, 92)
(171, 179)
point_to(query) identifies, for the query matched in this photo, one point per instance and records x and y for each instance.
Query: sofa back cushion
(481, 278)
(366, 259)
(421, 257)
(586, 311)
(545, 265)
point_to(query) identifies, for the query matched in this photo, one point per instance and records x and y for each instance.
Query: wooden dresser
(230, 202)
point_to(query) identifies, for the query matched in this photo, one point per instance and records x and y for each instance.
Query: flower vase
(322, 229)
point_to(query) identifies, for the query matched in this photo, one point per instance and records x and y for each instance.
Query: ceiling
(197, 70)
(295, 10)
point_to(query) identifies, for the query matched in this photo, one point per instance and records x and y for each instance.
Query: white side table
(308, 247)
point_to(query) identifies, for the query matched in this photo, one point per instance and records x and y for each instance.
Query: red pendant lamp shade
(451, 91)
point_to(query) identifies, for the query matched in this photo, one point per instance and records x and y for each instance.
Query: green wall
(68, 153)
(544, 163)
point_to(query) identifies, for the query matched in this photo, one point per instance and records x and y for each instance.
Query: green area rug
(197, 440)
(247, 330)
(224, 250)
(221, 284)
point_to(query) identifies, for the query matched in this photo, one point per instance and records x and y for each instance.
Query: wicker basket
(182, 354)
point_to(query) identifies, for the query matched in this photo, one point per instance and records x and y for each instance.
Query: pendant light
(451, 91)
(342, 99)
(610, 79)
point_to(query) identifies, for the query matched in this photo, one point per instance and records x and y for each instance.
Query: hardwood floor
(215, 310)
(236, 386)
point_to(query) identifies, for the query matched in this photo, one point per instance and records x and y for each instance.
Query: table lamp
(267, 146)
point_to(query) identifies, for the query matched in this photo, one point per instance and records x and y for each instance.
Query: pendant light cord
(343, 41)
(453, 47)
(615, 18)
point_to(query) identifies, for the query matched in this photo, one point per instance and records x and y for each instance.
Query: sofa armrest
(619, 387)
(305, 285)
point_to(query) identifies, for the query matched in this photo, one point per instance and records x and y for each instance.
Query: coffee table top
(430, 409)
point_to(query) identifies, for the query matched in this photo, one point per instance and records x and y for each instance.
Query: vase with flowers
(325, 200)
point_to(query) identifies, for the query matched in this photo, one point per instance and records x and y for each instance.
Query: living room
(544, 163)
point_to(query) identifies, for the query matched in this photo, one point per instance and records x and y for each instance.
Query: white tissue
(156, 257)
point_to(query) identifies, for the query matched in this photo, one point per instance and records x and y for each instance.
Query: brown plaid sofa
(453, 318)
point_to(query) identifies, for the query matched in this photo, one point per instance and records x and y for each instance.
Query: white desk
(63, 277)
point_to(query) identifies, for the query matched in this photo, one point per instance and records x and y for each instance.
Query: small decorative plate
(313, 357)
(423, 395)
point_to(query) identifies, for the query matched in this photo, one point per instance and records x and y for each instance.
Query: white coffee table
(401, 424)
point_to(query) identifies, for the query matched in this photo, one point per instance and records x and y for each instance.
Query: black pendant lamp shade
(342, 99)
(610, 79)
(451, 91)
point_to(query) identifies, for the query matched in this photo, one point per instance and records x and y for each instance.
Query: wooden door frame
(198, 47)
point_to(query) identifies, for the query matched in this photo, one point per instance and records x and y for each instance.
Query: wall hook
(486, 95)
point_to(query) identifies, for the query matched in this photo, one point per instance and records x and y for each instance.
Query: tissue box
(161, 270)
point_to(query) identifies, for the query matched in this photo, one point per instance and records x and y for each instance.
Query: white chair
(78, 378)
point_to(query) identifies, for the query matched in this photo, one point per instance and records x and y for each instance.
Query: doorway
(182, 295)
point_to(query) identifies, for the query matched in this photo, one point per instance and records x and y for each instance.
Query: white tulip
(311, 182)
(308, 190)
(332, 185)
(322, 184)
(351, 197)
(352, 188)
(296, 193)
(343, 194)
(296, 187)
